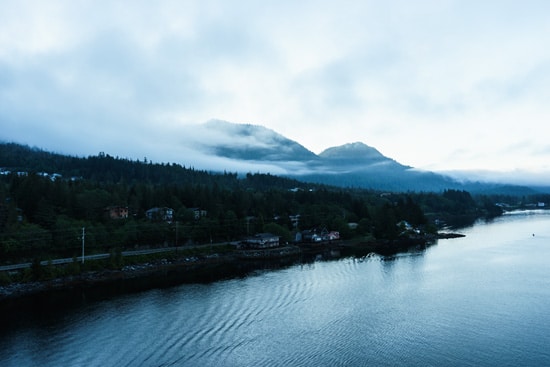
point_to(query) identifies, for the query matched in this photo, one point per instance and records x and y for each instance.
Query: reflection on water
(479, 300)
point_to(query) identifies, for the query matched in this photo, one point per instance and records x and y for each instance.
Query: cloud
(420, 81)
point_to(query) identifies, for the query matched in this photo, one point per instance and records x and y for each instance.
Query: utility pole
(83, 237)
(176, 234)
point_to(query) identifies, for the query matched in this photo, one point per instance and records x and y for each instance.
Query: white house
(261, 240)
(162, 214)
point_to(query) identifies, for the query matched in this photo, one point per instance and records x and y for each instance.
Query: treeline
(41, 217)
(102, 168)
(44, 216)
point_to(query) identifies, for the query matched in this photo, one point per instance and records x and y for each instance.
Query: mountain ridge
(353, 151)
(349, 165)
(221, 146)
(253, 142)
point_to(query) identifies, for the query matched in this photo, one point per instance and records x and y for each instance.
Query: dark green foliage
(44, 217)
(73, 268)
(385, 222)
(116, 261)
(278, 230)
(5, 278)
(37, 270)
(459, 202)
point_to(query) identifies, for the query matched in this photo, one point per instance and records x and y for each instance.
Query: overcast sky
(439, 85)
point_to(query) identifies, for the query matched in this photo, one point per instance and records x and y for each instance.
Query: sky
(440, 85)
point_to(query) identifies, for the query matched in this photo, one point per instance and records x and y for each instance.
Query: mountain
(350, 165)
(220, 146)
(251, 143)
(355, 153)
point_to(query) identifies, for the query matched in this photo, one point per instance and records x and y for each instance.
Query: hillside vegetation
(46, 199)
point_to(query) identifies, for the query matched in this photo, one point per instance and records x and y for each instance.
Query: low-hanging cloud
(134, 79)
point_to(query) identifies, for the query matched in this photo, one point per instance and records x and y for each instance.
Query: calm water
(483, 300)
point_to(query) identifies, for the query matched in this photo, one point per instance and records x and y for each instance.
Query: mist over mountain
(220, 146)
(350, 165)
(248, 143)
(355, 153)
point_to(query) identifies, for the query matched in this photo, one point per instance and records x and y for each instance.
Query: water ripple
(452, 305)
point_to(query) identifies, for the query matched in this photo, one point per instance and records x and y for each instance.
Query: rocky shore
(402, 244)
(97, 278)
(207, 268)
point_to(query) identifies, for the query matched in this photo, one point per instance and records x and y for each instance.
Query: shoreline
(210, 268)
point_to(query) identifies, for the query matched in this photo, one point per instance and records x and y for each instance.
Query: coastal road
(98, 257)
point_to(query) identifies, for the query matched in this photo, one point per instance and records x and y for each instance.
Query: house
(117, 212)
(311, 235)
(317, 235)
(160, 214)
(261, 241)
(198, 213)
(52, 177)
(333, 235)
(295, 220)
(405, 226)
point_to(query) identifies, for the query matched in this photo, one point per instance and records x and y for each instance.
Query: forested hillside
(46, 199)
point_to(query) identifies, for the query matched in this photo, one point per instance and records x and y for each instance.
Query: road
(95, 257)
